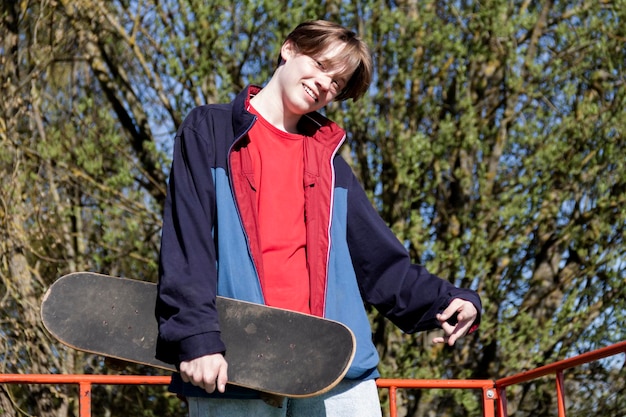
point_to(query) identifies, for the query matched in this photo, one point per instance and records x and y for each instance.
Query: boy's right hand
(207, 372)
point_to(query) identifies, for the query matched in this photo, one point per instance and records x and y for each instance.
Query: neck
(269, 105)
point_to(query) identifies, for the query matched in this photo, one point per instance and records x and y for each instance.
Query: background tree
(492, 142)
(75, 195)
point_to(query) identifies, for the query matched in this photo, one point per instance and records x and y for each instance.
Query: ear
(287, 51)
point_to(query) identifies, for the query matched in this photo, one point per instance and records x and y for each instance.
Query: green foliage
(495, 158)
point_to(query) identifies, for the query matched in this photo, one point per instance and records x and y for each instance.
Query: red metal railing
(84, 383)
(489, 393)
(493, 392)
(556, 369)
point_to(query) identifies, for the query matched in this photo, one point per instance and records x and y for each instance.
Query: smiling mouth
(310, 92)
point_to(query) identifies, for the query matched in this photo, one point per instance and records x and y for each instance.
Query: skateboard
(271, 350)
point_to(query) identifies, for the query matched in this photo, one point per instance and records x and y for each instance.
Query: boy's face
(309, 83)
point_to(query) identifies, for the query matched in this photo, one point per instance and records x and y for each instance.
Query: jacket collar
(242, 118)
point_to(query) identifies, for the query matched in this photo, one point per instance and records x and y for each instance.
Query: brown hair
(314, 37)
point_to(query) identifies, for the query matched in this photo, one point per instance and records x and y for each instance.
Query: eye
(337, 86)
(340, 83)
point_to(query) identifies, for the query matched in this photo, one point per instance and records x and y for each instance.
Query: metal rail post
(84, 399)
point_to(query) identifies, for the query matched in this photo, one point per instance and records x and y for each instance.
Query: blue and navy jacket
(210, 245)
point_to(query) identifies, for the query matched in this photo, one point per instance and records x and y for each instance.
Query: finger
(440, 339)
(451, 310)
(183, 372)
(209, 385)
(448, 328)
(452, 333)
(196, 376)
(222, 378)
(454, 337)
(204, 380)
(465, 320)
(463, 327)
(449, 340)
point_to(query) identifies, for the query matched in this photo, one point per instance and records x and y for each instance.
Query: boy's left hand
(465, 313)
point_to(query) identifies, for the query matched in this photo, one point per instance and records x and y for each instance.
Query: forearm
(186, 304)
(406, 293)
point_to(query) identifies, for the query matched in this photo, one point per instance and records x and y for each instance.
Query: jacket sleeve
(185, 308)
(405, 293)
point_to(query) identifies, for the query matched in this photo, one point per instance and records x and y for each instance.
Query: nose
(325, 82)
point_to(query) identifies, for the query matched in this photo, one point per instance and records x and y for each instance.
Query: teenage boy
(261, 208)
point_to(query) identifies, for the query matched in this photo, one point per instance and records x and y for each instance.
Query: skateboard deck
(271, 350)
